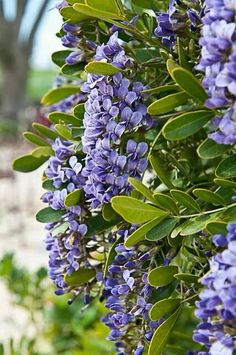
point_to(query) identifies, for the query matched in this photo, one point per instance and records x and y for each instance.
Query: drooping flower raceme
(217, 305)
(114, 109)
(218, 58)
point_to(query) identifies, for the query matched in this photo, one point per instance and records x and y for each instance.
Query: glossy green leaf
(90, 11)
(161, 89)
(217, 227)
(185, 200)
(171, 65)
(61, 117)
(164, 307)
(74, 16)
(229, 214)
(227, 167)
(73, 198)
(64, 131)
(161, 230)
(162, 275)
(166, 202)
(80, 277)
(208, 196)
(209, 149)
(77, 132)
(48, 215)
(48, 185)
(162, 333)
(101, 68)
(108, 213)
(72, 69)
(27, 163)
(97, 224)
(58, 94)
(112, 254)
(59, 57)
(79, 111)
(61, 229)
(140, 187)
(35, 139)
(195, 225)
(188, 82)
(135, 211)
(140, 233)
(186, 124)
(109, 6)
(42, 152)
(224, 182)
(160, 171)
(45, 131)
(188, 278)
(168, 103)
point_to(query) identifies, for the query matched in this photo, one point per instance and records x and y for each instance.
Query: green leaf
(227, 167)
(35, 139)
(161, 173)
(77, 132)
(229, 214)
(162, 229)
(164, 307)
(73, 198)
(188, 82)
(101, 68)
(90, 11)
(168, 103)
(140, 233)
(108, 213)
(217, 227)
(140, 187)
(42, 152)
(63, 131)
(135, 211)
(72, 69)
(188, 278)
(162, 275)
(79, 111)
(209, 149)
(58, 117)
(109, 6)
(45, 131)
(48, 185)
(97, 224)
(69, 13)
(80, 277)
(161, 89)
(111, 255)
(59, 57)
(186, 124)
(61, 229)
(183, 60)
(162, 333)
(185, 200)
(166, 202)
(171, 65)
(48, 215)
(195, 225)
(223, 182)
(208, 196)
(58, 94)
(28, 163)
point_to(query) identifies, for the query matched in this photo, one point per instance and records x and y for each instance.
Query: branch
(1, 10)
(20, 11)
(36, 25)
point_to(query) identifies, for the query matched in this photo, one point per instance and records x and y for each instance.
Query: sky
(46, 41)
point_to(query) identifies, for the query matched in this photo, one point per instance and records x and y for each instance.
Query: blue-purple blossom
(218, 62)
(114, 107)
(217, 305)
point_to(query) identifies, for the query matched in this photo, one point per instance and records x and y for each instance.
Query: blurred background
(32, 319)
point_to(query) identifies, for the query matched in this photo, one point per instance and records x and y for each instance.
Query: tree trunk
(14, 81)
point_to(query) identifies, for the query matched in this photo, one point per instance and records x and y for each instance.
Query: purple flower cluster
(218, 62)
(127, 297)
(217, 305)
(114, 108)
(176, 21)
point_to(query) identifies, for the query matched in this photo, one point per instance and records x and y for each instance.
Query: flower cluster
(113, 110)
(218, 58)
(177, 20)
(127, 297)
(217, 305)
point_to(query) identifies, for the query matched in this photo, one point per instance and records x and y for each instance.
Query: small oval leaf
(73, 198)
(101, 68)
(58, 94)
(163, 307)
(227, 167)
(80, 277)
(162, 275)
(28, 163)
(209, 149)
(48, 215)
(209, 196)
(167, 103)
(161, 230)
(185, 200)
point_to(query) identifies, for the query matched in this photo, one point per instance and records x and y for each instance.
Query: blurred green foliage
(58, 328)
(39, 82)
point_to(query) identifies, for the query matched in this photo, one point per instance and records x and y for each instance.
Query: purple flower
(218, 62)
(217, 305)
